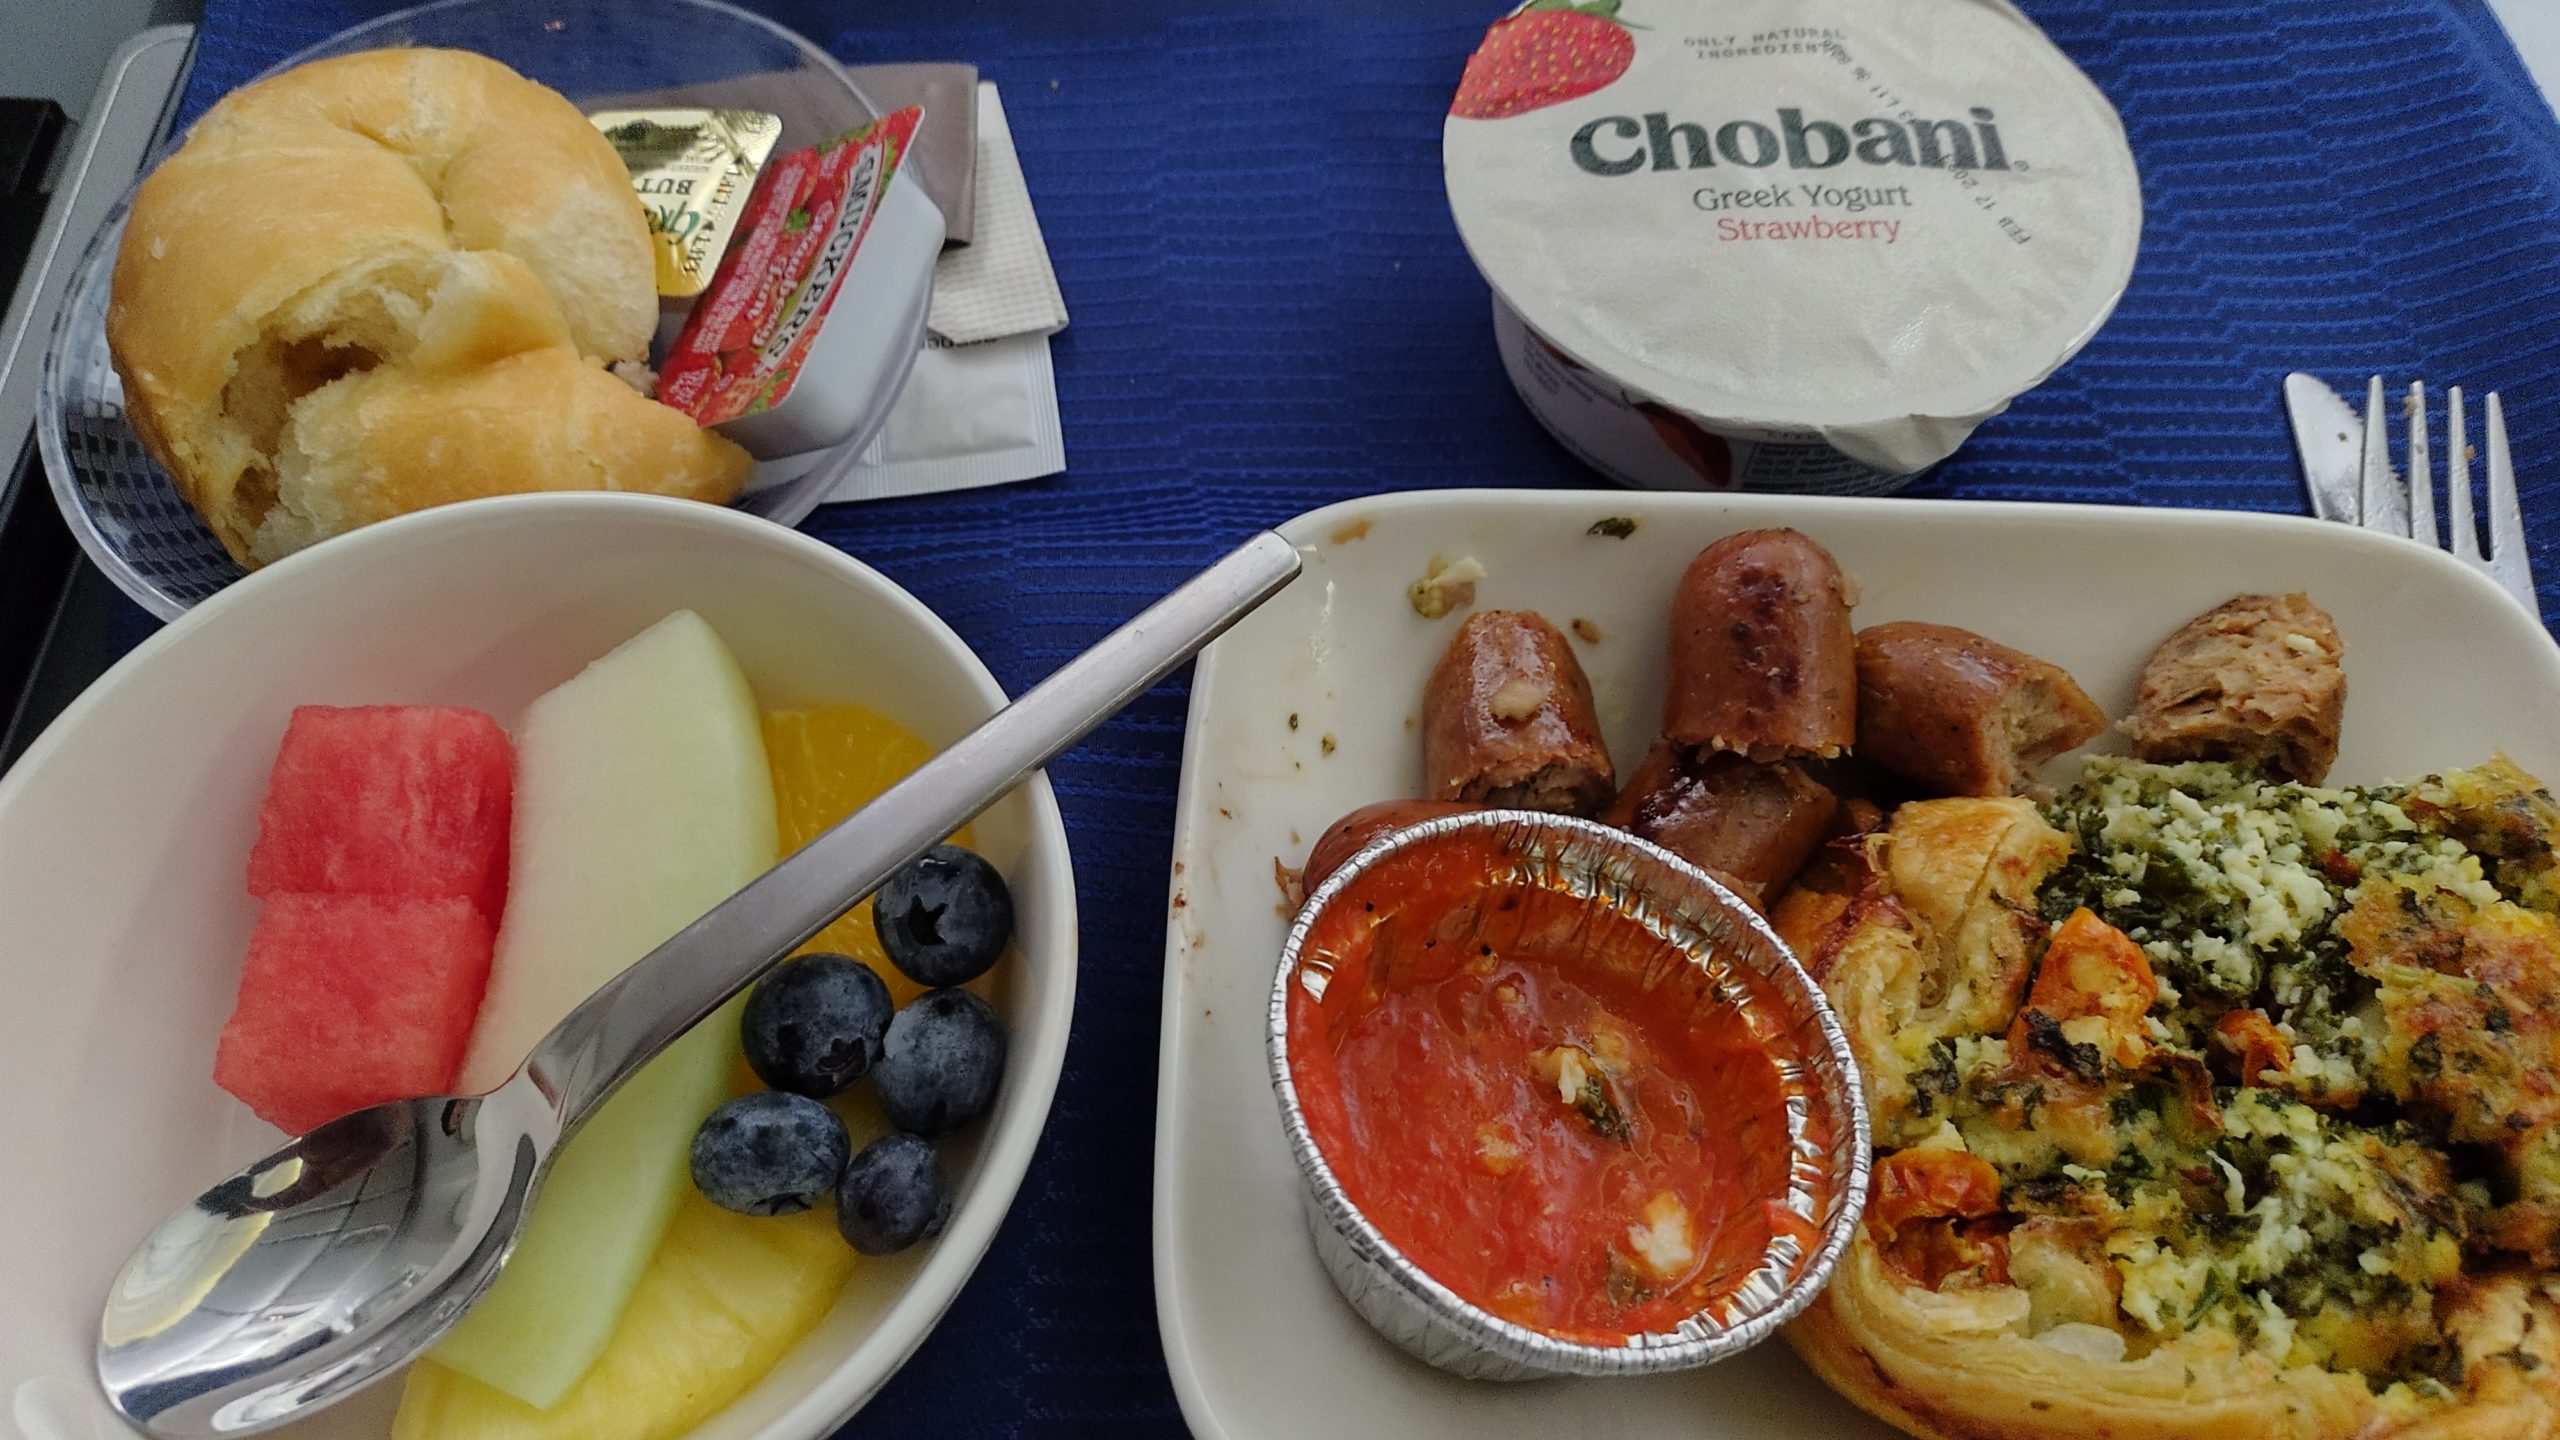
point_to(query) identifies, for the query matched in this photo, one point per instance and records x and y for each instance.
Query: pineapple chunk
(724, 1299)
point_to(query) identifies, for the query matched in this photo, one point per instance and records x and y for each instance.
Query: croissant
(388, 280)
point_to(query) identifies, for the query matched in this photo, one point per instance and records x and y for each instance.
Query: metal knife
(2329, 439)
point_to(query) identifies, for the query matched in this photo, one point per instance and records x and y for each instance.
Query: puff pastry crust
(2005, 1284)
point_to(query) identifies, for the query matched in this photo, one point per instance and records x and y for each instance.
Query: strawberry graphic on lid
(1544, 53)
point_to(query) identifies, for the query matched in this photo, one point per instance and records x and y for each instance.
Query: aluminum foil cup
(1697, 923)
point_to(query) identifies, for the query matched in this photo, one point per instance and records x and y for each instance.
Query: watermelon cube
(351, 1000)
(387, 800)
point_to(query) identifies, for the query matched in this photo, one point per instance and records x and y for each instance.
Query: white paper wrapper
(971, 415)
(1001, 282)
(1863, 226)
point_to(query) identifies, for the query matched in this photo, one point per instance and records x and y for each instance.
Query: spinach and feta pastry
(2205, 1105)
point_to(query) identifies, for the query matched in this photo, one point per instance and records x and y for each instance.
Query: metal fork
(2411, 513)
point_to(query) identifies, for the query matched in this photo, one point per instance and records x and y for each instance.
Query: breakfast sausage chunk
(1763, 662)
(2255, 680)
(1652, 773)
(1752, 826)
(1352, 833)
(1507, 720)
(1961, 714)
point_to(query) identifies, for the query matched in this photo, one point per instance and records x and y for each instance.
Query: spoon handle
(664, 993)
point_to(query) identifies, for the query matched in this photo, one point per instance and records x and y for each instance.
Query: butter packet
(694, 170)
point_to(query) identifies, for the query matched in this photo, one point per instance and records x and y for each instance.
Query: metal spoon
(333, 1261)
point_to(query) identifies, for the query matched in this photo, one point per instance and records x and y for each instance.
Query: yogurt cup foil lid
(1875, 222)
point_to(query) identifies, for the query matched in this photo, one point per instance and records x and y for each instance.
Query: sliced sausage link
(1352, 833)
(1651, 774)
(2255, 680)
(1961, 714)
(1508, 720)
(1753, 826)
(1763, 662)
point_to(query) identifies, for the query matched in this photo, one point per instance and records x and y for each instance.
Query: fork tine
(2506, 516)
(2379, 509)
(2465, 536)
(2422, 473)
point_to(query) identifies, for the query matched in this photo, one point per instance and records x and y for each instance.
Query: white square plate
(1309, 708)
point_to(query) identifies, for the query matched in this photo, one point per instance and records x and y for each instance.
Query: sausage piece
(1763, 662)
(1507, 720)
(1652, 773)
(1752, 826)
(1347, 836)
(2255, 680)
(1964, 715)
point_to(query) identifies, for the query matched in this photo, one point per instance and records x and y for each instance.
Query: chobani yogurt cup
(1799, 245)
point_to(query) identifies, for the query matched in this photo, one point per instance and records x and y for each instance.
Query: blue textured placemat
(1272, 312)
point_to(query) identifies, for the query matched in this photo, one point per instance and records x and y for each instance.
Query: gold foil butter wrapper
(693, 170)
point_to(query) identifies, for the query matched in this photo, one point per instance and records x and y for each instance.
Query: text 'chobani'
(1625, 144)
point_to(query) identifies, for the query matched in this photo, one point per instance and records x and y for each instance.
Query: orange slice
(829, 761)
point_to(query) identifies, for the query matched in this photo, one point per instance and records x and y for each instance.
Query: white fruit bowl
(125, 833)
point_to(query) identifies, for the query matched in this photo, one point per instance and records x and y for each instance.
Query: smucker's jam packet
(751, 336)
(693, 170)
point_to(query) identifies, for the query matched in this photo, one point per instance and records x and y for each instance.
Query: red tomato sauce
(1538, 1102)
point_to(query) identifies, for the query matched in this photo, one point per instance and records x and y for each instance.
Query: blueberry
(815, 1025)
(892, 1196)
(945, 918)
(939, 1069)
(769, 1153)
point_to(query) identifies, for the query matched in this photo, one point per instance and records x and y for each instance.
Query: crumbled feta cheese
(1663, 1241)
(1570, 1076)
(2331, 1232)
(2275, 1329)
(1445, 586)
(2160, 1284)
(1518, 698)
(2322, 1073)
(1981, 1055)
(2234, 1194)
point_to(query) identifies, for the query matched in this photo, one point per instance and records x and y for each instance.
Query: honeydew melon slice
(642, 800)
